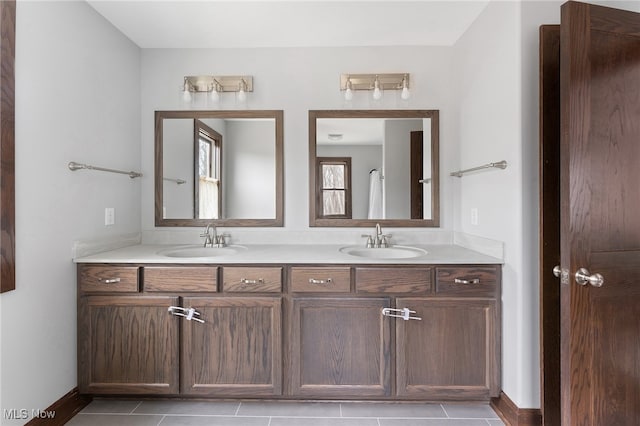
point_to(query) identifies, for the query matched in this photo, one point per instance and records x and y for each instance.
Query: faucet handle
(384, 240)
(221, 240)
(369, 240)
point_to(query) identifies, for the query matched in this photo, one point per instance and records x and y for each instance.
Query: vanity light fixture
(214, 85)
(376, 83)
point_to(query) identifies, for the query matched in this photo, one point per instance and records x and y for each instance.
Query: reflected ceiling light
(214, 85)
(376, 83)
(334, 136)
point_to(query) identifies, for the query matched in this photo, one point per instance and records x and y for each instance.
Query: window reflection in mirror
(393, 167)
(221, 167)
(335, 187)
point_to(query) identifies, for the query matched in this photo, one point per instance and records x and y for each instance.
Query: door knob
(563, 274)
(583, 276)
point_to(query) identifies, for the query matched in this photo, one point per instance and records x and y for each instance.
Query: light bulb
(348, 93)
(377, 93)
(242, 94)
(405, 89)
(215, 95)
(405, 93)
(186, 93)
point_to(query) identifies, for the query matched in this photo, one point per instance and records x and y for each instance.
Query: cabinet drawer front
(393, 280)
(470, 281)
(107, 279)
(177, 278)
(321, 279)
(245, 279)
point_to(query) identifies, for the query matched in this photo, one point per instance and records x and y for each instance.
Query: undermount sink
(395, 252)
(200, 251)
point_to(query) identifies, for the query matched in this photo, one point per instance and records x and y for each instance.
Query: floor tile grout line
(269, 424)
(445, 411)
(340, 405)
(136, 407)
(161, 420)
(238, 409)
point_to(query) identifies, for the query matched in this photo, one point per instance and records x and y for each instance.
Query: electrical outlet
(474, 216)
(109, 216)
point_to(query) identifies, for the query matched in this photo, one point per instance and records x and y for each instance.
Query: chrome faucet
(214, 240)
(379, 240)
(208, 238)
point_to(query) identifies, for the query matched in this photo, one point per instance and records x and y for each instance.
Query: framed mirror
(374, 166)
(219, 167)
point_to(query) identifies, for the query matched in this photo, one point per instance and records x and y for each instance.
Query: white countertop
(287, 254)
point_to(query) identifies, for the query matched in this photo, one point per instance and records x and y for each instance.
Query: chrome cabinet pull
(248, 281)
(584, 277)
(404, 313)
(109, 280)
(472, 281)
(190, 314)
(314, 281)
(557, 271)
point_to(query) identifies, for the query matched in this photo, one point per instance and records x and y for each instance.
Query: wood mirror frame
(276, 115)
(315, 220)
(7, 145)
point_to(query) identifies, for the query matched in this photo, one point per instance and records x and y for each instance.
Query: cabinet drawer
(245, 279)
(107, 279)
(469, 281)
(305, 279)
(180, 278)
(393, 280)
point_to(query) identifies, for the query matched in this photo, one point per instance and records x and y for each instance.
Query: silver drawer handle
(248, 281)
(109, 280)
(314, 281)
(461, 281)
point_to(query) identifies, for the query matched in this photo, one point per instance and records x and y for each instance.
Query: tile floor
(102, 412)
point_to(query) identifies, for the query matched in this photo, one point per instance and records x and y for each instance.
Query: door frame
(549, 224)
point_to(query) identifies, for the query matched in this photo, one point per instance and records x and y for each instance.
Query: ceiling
(268, 23)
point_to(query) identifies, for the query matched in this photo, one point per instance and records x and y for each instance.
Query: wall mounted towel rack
(499, 165)
(73, 166)
(178, 181)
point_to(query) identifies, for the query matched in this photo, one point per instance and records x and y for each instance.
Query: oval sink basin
(395, 252)
(199, 251)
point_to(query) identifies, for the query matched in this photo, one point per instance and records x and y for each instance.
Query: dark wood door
(236, 351)
(600, 219)
(127, 345)
(341, 347)
(417, 173)
(451, 353)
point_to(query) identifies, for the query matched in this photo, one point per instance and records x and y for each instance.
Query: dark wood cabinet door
(452, 353)
(127, 345)
(236, 351)
(340, 347)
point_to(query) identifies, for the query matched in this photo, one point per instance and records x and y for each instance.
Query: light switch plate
(109, 216)
(474, 216)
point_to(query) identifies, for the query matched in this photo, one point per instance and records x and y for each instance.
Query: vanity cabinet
(236, 351)
(130, 344)
(290, 331)
(127, 345)
(340, 347)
